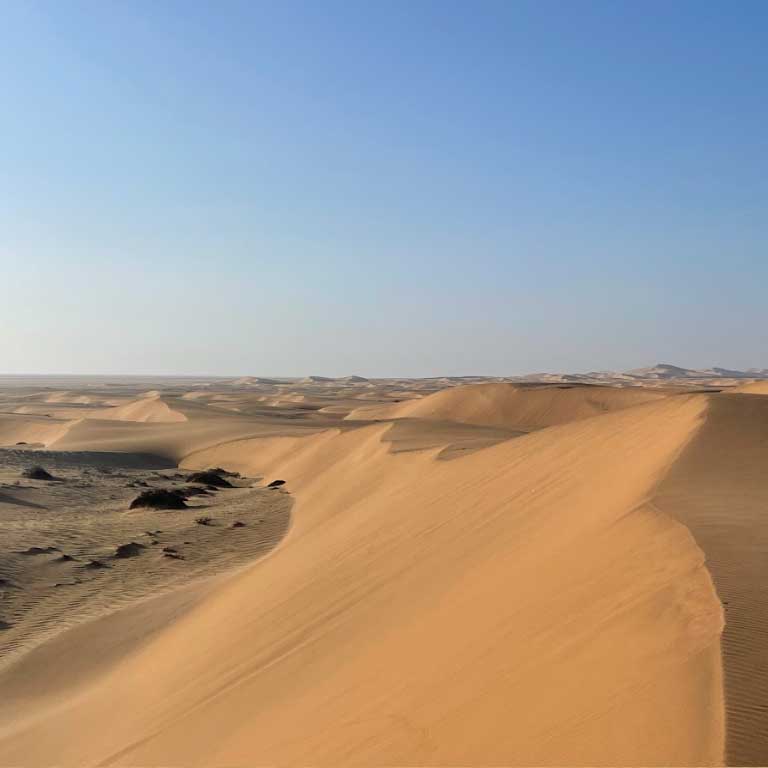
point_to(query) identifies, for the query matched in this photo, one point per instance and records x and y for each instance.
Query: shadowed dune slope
(512, 407)
(719, 489)
(524, 604)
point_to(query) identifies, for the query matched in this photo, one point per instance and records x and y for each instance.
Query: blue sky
(395, 188)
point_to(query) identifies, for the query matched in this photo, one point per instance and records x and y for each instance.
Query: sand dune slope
(203, 427)
(150, 408)
(521, 605)
(512, 407)
(27, 428)
(719, 489)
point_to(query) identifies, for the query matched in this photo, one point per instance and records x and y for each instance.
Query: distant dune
(15, 428)
(246, 381)
(754, 388)
(149, 408)
(511, 406)
(68, 397)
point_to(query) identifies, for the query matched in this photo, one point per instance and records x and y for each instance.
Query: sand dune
(719, 489)
(16, 428)
(171, 440)
(512, 406)
(149, 408)
(69, 397)
(425, 612)
(543, 598)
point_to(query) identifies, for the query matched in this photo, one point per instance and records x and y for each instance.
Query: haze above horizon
(387, 190)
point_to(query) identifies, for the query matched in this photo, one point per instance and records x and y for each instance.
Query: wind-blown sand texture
(482, 574)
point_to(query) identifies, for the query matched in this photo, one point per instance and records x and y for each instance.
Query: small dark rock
(173, 555)
(237, 524)
(159, 498)
(204, 520)
(276, 483)
(131, 549)
(95, 565)
(65, 558)
(39, 551)
(37, 473)
(170, 550)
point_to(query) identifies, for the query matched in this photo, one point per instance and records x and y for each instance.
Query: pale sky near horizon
(382, 188)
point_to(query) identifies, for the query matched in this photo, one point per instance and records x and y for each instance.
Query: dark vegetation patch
(209, 478)
(37, 472)
(39, 551)
(223, 472)
(159, 498)
(191, 490)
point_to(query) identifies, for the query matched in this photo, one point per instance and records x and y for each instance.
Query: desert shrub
(159, 498)
(209, 478)
(37, 473)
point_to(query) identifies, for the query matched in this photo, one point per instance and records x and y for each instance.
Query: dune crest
(512, 406)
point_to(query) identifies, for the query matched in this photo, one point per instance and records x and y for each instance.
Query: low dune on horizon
(548, 570)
